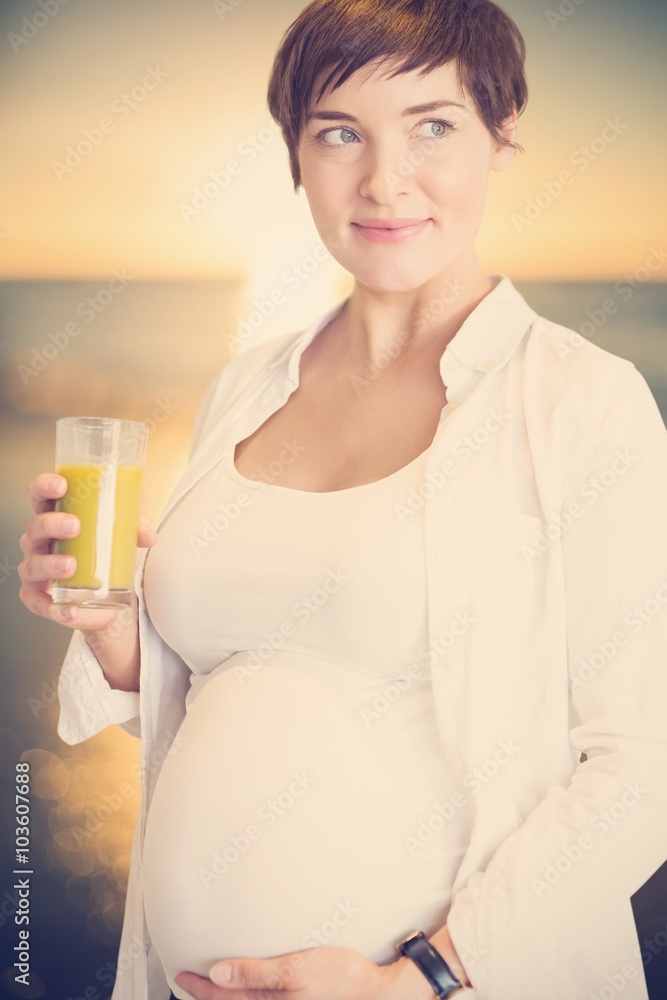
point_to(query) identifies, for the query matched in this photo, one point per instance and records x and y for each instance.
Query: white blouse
(544, 527)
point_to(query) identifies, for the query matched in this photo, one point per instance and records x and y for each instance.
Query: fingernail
(70, 525)
(67, 614)
(57, 484)
(63, 564)
(221, 974)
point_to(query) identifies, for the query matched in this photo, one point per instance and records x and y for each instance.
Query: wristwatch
(430, 962)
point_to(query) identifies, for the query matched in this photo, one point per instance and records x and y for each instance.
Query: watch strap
(431, 964)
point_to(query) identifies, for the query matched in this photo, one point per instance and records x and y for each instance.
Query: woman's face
(411, 151)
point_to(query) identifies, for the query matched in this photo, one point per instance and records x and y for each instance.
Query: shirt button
(489, 363)
(457, 763)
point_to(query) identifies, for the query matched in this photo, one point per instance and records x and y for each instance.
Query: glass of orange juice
(102, 460)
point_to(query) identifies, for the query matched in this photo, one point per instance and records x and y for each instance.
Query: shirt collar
(484, 342)
(488, 336)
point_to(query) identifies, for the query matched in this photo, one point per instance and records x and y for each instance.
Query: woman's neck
(374, 324)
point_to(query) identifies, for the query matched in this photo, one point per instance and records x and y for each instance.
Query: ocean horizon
(134, 338)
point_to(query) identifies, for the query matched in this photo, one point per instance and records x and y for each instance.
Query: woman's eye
(337, 136)
(434, 129)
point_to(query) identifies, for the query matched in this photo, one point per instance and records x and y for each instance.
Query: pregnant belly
(274, 827)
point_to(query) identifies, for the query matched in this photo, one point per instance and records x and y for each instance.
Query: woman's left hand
(320, 973)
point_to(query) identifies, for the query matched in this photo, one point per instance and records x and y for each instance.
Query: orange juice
(100, 494)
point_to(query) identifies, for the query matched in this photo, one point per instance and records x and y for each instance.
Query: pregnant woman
(389, 659)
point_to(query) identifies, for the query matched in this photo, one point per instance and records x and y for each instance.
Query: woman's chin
(388, 281)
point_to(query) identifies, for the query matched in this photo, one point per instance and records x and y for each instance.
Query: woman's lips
(394, 232)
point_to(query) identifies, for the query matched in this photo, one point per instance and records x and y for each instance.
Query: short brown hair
(344, 35)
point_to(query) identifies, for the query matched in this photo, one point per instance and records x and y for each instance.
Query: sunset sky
(206, 66)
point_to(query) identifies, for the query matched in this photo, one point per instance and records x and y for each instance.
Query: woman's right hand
(111, 634)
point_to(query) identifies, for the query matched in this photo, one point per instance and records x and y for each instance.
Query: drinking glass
(102, 460)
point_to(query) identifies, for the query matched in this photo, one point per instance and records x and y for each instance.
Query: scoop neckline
(230, 466)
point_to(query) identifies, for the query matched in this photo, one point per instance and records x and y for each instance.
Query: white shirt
(545, 524)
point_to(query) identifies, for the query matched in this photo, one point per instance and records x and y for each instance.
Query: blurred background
(146, 216)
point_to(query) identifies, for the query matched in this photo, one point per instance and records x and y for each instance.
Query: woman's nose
(383, 180)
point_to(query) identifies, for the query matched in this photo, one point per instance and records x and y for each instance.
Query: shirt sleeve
(551, 915)
(88, 703)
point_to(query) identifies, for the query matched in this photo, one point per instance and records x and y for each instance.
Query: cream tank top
(307, 801)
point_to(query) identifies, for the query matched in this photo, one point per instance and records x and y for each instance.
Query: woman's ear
(502, 155)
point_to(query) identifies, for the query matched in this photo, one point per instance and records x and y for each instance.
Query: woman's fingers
(38, 600)
(41, 567)
(42, 529)
(91, 620)
(44, 490)
(147, 534)
(48, 523)
(37, 568)
(37, 573)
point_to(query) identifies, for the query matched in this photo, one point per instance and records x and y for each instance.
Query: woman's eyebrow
(421, 109)
(415, 109)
